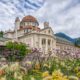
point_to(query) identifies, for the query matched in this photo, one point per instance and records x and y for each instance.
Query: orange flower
(2, 72)
(37, 66)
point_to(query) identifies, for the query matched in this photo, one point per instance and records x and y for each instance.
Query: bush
(16, 51)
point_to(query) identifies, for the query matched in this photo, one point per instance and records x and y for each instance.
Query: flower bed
(53, 69)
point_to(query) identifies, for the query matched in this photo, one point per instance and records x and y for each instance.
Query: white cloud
(63, 15)
(62, 20)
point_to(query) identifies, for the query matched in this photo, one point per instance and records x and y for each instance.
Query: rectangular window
(43, 41)
(26, 30)
(49, 42)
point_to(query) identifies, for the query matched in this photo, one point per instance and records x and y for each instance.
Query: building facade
(27, 31)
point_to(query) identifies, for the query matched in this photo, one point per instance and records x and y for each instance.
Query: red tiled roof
(29, 18)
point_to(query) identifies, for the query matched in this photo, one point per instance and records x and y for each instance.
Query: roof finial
(46, 24)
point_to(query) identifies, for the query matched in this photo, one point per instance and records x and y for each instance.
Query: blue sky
(63, 15)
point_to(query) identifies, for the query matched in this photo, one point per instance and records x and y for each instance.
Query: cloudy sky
(63, 15)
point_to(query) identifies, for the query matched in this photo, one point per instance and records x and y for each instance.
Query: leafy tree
(1, 33)
(77, 42)
(17, 51)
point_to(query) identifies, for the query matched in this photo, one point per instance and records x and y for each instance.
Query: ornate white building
(27, 31)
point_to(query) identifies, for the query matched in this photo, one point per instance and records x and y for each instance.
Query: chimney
(46, 24)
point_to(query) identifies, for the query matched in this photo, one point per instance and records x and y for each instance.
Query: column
(46, 48)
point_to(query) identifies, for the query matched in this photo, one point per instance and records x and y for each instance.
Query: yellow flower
(14, 67)
(18, 75)
(63, 64)
(28, 62)
(32, 78)
(73, 78)
(78, 74)
(45, 74)
(46, 65)
(57, 75)
(3, 78)
(36, 71)
(76, 69)
(4, 67)
(48, 78)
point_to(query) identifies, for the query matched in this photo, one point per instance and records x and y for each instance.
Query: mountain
(62, 35)
(77, 41)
